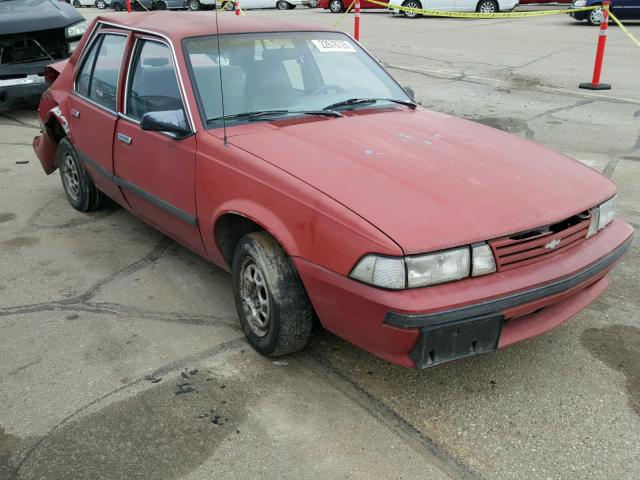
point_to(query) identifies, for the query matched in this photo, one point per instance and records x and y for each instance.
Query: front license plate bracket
(454, 340)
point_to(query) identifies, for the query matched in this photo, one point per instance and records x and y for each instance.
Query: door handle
(75, 113)
(123, 138)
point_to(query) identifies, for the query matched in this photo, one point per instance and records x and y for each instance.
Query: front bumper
(515, 304)
(21, 92)
(580, 15)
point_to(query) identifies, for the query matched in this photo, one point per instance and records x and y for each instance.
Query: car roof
(179, 25)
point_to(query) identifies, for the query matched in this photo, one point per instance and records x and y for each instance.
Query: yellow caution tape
(438, 13)
(341, 18)
(624, 29)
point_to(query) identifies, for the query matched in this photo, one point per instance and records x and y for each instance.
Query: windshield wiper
(258, 114)
(365, 101)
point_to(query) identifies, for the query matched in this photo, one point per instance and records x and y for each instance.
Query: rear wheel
(336, 6)
(80, 190)
(76, 3)
(229, 6)
(161, 5)
(274, 309)
(194, 5)
(411, 4)
(282, 5)
(117, 6)
(101, 4)
(487, 6)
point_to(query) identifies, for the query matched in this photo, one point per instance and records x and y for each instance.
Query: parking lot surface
(121, 355)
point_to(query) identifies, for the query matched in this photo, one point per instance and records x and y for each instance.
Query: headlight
(602, 215)
(438, 267)
(76, 30)
(424, 270)
(579, 3)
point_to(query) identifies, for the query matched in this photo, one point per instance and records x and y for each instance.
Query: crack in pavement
(433, 452)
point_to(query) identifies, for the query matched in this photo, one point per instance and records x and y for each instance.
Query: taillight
(50, 75)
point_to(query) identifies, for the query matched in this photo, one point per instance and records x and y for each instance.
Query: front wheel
(274, 309)
(313, 3)
(80, 190)
(161, 5)
(336, 6)
(229, 6)
(194, 5)
(282, 5)
(596, 17)
(117, 6)
(76, 3)
(101, 4)
(411, 4)
(487, 6)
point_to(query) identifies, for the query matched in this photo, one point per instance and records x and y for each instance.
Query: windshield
(287, 72)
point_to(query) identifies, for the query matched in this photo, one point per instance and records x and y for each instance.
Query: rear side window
(98, 78)
(153, 85)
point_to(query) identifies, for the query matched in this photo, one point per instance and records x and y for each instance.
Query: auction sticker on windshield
(333, 45)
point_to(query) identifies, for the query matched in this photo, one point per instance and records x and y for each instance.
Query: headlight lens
(76, 30)
(602, 215)
(438, 267)
(424, 270)
(579, 3)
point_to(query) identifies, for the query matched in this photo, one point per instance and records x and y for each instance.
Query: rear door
(93, 107)
(156, 170)
(629, 9)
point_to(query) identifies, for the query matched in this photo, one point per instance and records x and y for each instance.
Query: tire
(229, 6)
(336, 6)
(161, 5)
(101, 4)
(76, 3)
(487, 6)
(313, 3)
(411, 4)
(282, 5)
(78, 187)
(263, 274)
(194, 5)
(117, 6)
(595, 17)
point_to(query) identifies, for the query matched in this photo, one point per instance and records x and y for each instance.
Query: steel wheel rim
(487, 7)
(255, 298)
(597, 16)
(71, 177)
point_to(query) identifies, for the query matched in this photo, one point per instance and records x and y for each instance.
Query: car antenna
(224, 122)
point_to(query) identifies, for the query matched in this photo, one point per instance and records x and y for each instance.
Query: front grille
(535, 245)
(33, 47)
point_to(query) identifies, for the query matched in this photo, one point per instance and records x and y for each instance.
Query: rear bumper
(528, 301)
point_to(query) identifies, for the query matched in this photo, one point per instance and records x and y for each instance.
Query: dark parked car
(623, 9)
(33, 34)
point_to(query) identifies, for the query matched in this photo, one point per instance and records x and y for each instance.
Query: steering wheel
(327, 88)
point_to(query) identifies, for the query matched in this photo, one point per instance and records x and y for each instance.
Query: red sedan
(290, 157)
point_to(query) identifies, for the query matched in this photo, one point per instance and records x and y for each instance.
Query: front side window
(98, 78)
(153, 85)
(292, 71)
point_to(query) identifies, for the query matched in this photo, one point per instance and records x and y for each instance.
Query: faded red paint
(394, 182)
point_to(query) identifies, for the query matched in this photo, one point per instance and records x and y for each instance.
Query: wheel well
(229, 229)
(55, 130)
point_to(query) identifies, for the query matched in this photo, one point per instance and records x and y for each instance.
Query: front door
(156, 170)
(93, 109)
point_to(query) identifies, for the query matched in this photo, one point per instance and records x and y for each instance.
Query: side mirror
(173, 121)
(410, 92)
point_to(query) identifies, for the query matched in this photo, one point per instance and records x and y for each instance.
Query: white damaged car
(481, 6)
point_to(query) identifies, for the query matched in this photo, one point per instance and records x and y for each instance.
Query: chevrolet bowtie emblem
(552, 244)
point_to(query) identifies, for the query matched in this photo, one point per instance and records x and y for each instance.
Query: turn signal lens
(607, 213)
(483, 261)
(384, 272)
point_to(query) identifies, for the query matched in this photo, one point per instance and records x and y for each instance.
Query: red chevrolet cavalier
(287, 155)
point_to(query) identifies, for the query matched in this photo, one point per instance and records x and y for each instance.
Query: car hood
(428, 180)
(18, 16)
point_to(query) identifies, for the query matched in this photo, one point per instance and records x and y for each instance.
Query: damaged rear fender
(55, 126)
